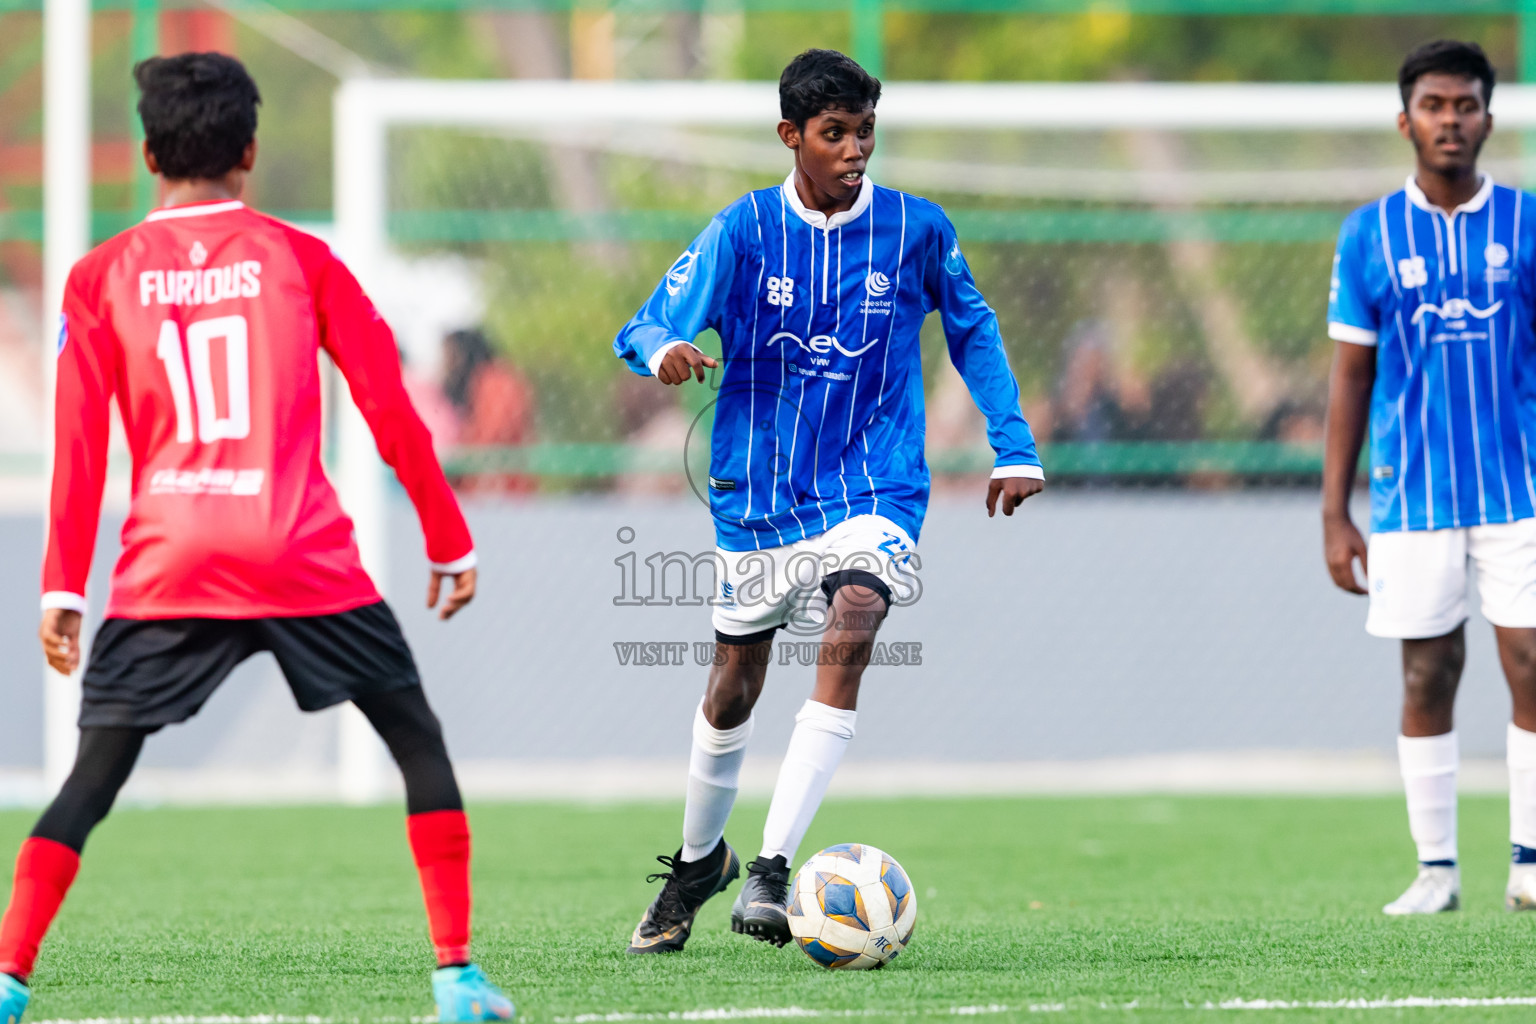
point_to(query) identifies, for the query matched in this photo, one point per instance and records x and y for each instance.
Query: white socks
(714, 769)
(821, 735)
(1429, 766)
(1521, 751)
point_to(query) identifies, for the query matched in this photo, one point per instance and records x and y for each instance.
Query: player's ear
(248, 158)
(149, 158)
(789, 134)
(1404, 126)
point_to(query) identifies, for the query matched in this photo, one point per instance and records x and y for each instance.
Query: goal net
(1158, 256)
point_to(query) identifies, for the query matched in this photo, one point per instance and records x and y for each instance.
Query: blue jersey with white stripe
(1446, 300)
(820, 414)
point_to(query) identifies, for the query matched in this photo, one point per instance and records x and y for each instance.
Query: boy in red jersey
(205, 323)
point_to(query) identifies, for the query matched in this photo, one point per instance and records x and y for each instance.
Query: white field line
(791, 1012)
(723, 1013)
(261, 1018)
(794, 1012)
(1408, 1003)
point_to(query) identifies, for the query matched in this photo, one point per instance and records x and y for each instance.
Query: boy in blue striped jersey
(1431, 305)
(817, 482)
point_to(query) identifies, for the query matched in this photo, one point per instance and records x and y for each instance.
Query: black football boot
(685, 888)
(762, 908)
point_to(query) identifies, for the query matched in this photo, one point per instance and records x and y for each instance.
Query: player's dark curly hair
(199, 112)
(819, 80)
(1446, 57)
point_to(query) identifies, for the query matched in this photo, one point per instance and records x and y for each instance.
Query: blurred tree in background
(1166, 337)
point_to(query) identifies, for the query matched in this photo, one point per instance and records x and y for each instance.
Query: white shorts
(1418, 578)
(762, 590)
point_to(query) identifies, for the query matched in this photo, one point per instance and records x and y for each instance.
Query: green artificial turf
(1088, 904)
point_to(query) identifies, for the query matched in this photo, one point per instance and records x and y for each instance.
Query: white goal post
(366, 109)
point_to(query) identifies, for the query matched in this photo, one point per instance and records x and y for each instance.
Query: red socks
(440, 845)
(44, 872)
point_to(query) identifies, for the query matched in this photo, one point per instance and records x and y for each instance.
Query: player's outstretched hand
(462, 593)
(1342, 544)
(1013, 490)
(682, 362)
(60, 634)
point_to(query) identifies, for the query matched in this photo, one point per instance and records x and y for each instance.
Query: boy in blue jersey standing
(1431, 306)
(817, 483)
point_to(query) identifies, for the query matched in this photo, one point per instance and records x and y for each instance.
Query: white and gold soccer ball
(851, 907)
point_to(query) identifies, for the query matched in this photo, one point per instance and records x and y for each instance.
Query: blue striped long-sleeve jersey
(1446, 300)
(820, 415)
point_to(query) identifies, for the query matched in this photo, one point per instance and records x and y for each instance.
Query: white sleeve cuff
(64, 599)
(456, 566)
(1350, 333)
(656, 357)
(1032, 472)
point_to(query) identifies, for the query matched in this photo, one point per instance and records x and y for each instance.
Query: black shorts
(146, 673)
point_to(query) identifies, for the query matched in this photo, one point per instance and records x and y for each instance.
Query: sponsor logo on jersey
(1412, 272)
(1455, 309)
(200, 287)
(681, 271)
(1497, 258)
(716, 484)
(781, 291)
(1452, 315)
(198, 255)
(877, 284)
(236, 482)
(953, 261)
(822, 345)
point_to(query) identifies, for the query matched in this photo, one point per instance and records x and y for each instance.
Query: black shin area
(103, 763)
(406, 724)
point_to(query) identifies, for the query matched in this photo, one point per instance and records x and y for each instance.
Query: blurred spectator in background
(494, 408)
(441, 418)
(651, 421)
(1178, 402)
(1092, 401)
(1296, 421)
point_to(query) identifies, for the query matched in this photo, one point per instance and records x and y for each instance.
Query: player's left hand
(462, 593)
(1013, 490)
(60, 634)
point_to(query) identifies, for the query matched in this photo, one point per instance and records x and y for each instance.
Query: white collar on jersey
(195, 209)
(817, 219)
(1417, 197)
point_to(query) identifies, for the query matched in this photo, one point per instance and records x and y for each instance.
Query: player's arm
(363, 348)
(976, 349)
(1352, 323)
(658, 340)
(87, 371)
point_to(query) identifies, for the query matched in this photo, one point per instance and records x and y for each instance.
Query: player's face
(832, 152)
(1447, 121)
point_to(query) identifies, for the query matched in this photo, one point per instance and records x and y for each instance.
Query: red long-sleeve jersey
(205, 322)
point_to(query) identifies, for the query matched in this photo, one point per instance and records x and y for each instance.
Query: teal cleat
(463, 994)
(13, 999)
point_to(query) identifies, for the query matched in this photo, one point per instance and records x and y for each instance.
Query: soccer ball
(851, 907)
